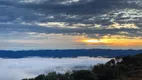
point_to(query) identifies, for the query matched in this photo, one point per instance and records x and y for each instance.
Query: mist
(17, 69)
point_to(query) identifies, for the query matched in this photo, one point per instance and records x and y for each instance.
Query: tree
(52, 76)
(106, 72)
(84, 75)
(40, 77)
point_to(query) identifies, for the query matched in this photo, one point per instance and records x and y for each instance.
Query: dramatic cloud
(17, 69)
(70, 17)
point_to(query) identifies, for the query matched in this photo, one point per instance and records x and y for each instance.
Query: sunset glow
(114, 42)
(91, 41)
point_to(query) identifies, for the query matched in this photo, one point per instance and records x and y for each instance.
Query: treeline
(130, 68)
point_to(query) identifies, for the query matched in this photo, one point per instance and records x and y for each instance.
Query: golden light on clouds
(117, 41)
(119, 26)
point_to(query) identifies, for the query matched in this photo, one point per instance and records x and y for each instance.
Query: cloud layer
(71, 17)
(17, 69)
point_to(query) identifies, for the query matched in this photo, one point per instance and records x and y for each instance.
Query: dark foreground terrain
(120, 68)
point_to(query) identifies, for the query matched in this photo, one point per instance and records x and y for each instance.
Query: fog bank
(17, 69)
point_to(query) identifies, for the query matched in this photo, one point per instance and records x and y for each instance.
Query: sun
(95, 41)
(91, 41)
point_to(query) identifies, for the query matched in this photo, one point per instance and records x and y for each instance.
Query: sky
(70, 24)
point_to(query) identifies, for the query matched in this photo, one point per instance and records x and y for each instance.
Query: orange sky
(115, 40)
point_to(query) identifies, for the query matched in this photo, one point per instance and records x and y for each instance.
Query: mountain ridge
(67, 53)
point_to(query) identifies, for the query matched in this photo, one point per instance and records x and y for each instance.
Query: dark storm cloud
(80, 7)
(26, 9)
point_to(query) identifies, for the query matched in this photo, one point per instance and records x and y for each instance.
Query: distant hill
(68, 53)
